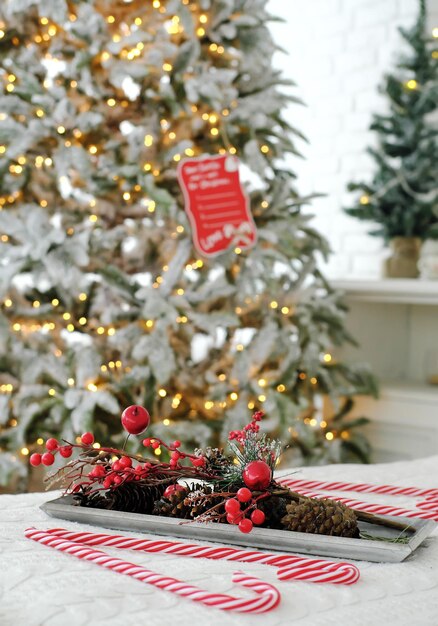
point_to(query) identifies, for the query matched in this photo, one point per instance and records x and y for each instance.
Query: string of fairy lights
(164, 146)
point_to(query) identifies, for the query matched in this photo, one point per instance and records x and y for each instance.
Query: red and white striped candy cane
(268, 596)
(428, 505)
(391, 490)
(368, 507)
(291, 567)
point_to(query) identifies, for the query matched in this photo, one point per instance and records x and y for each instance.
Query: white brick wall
(338, 52)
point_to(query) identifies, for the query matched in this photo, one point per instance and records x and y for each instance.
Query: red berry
(232, 506)
(98, 471)
(257, 475)
(117, 480)
(175, 456)
(244, 495)
(51, 444)
(125, 461)
(234, 519)
(135, 419)
(257, 517)
(176, 443)
(245, 525)
(171, 489)
(116, 466)
(155, 445)
(107, 482)
(35, 459)
(47, 458)
(65, 451)
(87, 439)
(146, 442)
(198, 462)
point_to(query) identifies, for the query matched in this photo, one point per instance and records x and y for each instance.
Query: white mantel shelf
(395, 291)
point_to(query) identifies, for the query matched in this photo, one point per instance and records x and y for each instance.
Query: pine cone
(322, 517)
(215, 460)
(130, 497)
(274, 509)
(186, 504)
(173, 506)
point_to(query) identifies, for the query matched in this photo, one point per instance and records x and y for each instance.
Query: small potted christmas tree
(401, 197)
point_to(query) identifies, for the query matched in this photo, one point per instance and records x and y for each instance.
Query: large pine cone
(322, 517)
(130, 497)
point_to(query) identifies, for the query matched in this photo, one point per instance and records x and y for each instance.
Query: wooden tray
(280, 540)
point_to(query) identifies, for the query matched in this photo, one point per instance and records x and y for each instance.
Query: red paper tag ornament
(216, 203)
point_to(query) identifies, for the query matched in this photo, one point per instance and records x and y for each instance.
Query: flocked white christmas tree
(105, 301)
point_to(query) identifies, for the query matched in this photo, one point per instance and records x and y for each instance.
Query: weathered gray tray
(284, 541)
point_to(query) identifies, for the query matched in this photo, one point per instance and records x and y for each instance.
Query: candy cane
(268, 596)
(360, 488)
(368, 507)
(427, 505)
(290, 566)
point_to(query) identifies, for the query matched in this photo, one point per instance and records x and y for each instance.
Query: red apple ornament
(135, 419)
(257, 475)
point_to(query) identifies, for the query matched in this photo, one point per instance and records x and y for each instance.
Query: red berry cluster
(253, 426)
(53, 447)
(235, 514)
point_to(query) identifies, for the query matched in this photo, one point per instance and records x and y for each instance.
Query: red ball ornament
(245, 525)
(257, 475)
(244, 495)
(232, 506)
(171, 489)
(135, 419)
(51, 444)
(47, 458)
(257, 517)
(87, 439)
(35, 459)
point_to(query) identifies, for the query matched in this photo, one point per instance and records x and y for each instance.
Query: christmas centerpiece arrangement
(207, 485)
